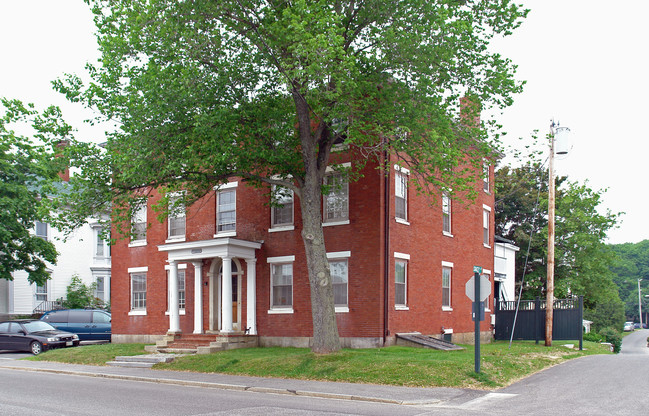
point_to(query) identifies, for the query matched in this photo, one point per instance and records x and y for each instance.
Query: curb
(222, 386)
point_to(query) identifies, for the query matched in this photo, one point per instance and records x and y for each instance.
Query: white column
(198, 297)
(226, 295)
(251, 307)
(174, 315)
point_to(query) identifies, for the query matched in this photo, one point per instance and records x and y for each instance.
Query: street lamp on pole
(556, 134)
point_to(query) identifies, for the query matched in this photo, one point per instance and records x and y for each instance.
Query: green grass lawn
(400, 366)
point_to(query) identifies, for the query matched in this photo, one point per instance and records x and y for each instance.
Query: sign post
(478, 288)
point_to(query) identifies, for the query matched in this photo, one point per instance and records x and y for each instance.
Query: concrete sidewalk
(342, 391)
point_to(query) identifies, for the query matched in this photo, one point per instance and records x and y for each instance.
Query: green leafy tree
(631, 264)
(28, 170)
(261, 89)
(79, 295)
(583, 260)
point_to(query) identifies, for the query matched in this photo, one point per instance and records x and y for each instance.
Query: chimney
(65, 173)
(470, 111)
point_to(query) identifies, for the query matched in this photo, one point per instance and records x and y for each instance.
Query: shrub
(81, 296)
(593, 337)
(611, 335)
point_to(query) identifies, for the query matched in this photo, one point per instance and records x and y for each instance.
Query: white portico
(224, 282)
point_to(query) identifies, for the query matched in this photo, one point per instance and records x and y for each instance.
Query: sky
(584, 61)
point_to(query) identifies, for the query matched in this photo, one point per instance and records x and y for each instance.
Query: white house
(504, 269)
(83, 253)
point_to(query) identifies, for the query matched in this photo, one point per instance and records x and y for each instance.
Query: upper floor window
(102, 248)
(401, 196)
(486, 221)
(336, 202)
(485, 176)
(226, 208)
(446, 214)
(41, 230)
(176, 219)
(282, 210)
(138, 224)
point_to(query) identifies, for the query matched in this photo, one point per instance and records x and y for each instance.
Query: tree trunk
(325, 328)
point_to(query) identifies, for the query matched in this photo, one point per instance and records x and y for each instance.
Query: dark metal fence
(530, 321)
(48, 305)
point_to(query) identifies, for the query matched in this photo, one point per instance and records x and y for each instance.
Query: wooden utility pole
(549, 304)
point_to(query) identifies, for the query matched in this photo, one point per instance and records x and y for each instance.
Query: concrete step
(141, 361)
(172, 350)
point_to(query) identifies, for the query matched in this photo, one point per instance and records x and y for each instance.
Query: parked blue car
(89, 324)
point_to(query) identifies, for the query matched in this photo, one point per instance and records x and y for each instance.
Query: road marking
(487, 399)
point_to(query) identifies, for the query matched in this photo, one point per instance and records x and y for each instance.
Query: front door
(216, 298)
(236, 300)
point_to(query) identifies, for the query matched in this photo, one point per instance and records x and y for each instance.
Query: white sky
(585, 62)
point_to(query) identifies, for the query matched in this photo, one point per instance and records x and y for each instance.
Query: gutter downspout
(386, 243)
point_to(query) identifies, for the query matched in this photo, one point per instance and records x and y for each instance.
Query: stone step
(132, 364)
(171, 350)
(141, 361)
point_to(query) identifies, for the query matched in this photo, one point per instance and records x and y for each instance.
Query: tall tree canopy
(261, 89)
(631, 264)
(582, 257)
(28, 171)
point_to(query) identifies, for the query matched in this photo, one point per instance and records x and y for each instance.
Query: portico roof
(216, 247)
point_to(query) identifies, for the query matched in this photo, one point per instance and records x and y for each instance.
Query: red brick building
(399, 262)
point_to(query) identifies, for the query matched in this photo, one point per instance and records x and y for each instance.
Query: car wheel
(36, 347)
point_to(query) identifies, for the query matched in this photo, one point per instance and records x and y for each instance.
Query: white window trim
(403, 256)
(486, 208)
(449, 265)
(140, 243)
(177, 239)
(402, 171)
(486, 179)
(330, 170)
(488, 272)
(341, 255)
(219, 188)
(275, 260)
(450, 216)
(130, 270)
(282, 227)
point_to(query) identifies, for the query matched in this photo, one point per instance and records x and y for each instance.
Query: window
(41, 293)
(485, 176)
(138, 224)
(486, 213)
(282, 285)
(401, 196)
(41, 230)
(487, 302)
(400, 280)
(138, 291)
(100, 290)
(282, 210)
(336, 202)
(339, 277)
(176, 219)
(181, 289)
(102, 248)
(446, 285)
(446, 214)
(226, 210)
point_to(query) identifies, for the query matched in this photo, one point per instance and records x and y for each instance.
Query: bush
(80, 296)
(612, 336)
(593, 337)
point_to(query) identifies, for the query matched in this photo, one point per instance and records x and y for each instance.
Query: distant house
(505, 269)
(230, 263)
(84, 253)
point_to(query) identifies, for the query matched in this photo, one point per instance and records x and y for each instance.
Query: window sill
(447, 234)
(180, 312)
(447, 309)
(342, 309)
(137, 313)
(486, 245)
(332, 223)
(138, 243)
(279, 311)
(402, 221)
(225, 234)
(281, 228)
(401, 308)
(175, 240)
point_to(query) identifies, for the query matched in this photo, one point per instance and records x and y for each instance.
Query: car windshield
(37, 326)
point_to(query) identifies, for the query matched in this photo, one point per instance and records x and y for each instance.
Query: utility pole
(549, 303)
(555, 131)
(640, 303)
